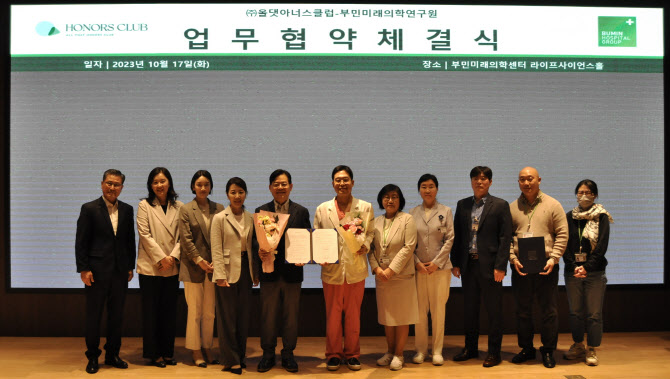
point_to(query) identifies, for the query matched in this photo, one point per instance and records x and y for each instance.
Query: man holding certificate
(280, 288)
(540, 238)
(344, 280)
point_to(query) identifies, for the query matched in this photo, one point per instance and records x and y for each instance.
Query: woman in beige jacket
(392, 263)
(231, 235)
(157, 265)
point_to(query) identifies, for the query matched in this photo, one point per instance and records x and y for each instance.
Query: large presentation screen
(393, 91)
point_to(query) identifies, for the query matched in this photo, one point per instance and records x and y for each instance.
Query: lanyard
(387, 230)
(581, 231)
(533, 208)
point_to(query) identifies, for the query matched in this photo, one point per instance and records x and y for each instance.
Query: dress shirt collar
(281, 208)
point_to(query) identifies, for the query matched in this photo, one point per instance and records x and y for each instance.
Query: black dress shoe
(236, 371)
(157, 363)
(115, 361)
(170, 361)
(492, 360)
(266, 364)
(92, 366)
(548, 359)
(289, 364)
(524, 355)
(466, 354)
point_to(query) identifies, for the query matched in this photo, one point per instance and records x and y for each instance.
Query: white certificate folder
(311, 246)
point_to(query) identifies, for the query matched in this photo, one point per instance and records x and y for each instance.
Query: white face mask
(585, 201)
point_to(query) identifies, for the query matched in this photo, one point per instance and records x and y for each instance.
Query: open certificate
(315, 245)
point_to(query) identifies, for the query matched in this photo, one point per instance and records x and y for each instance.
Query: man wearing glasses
(105, 253)
(280, 289)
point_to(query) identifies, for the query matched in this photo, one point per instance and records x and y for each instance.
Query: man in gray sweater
(536, 214)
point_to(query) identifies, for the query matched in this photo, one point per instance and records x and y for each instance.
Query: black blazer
(97, 249)
(298, 218)
(494, 235)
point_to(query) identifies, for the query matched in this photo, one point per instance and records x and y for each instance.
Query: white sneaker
(576, 351)
(419, 357)
(438, 360)
(591, 357)
(396, 363)
(385, 360)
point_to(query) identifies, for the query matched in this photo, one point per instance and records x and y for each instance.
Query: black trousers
(280, 308)
(543, 288)
(110, 290)
(232, 307)
(476, 287)
(159, 315)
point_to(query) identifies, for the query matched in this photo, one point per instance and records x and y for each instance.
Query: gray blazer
(194, 240)
(226, 239)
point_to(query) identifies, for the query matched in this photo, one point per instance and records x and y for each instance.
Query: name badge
(580, 257)
(527, 235)
(386, 262)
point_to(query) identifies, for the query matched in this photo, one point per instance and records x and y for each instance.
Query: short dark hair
(425, 178)
(279, 172)
(197, 176)
(589, 183)
(342, 168)
(390, 188)
(171, 194)
(238, 182)
(113, 172)
(478, 170)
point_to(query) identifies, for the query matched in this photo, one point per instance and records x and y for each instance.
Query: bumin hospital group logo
(46, 29)
(617, 31)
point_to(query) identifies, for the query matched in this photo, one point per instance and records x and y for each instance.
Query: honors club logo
(617, 31)
(46, 29)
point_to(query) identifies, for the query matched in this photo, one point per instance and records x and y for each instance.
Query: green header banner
(335, 63)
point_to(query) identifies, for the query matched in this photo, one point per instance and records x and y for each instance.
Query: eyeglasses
(392, 197)
(582, 193)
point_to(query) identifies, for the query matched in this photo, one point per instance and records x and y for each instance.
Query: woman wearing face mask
(589, 226)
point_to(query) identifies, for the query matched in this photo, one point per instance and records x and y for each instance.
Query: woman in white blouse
(392, 263)
(231, 235)
(435, 237)
(195, 219)
(158, 255)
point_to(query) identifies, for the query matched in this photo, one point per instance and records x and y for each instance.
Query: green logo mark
(45, 28)
(617, 31)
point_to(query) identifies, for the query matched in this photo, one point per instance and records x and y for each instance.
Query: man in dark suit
(280, 289)
(483, 233)
(105, 252)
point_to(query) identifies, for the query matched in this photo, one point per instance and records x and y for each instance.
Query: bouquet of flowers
(269, 230)
(353, 230)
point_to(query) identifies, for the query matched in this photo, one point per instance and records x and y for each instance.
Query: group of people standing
(213, 250)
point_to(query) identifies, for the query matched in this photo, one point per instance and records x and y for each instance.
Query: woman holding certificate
(231, 235)
(195, 219)
(158, 255)
(392, 263)
(585, 262)
(435, 237)
(344, 280)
